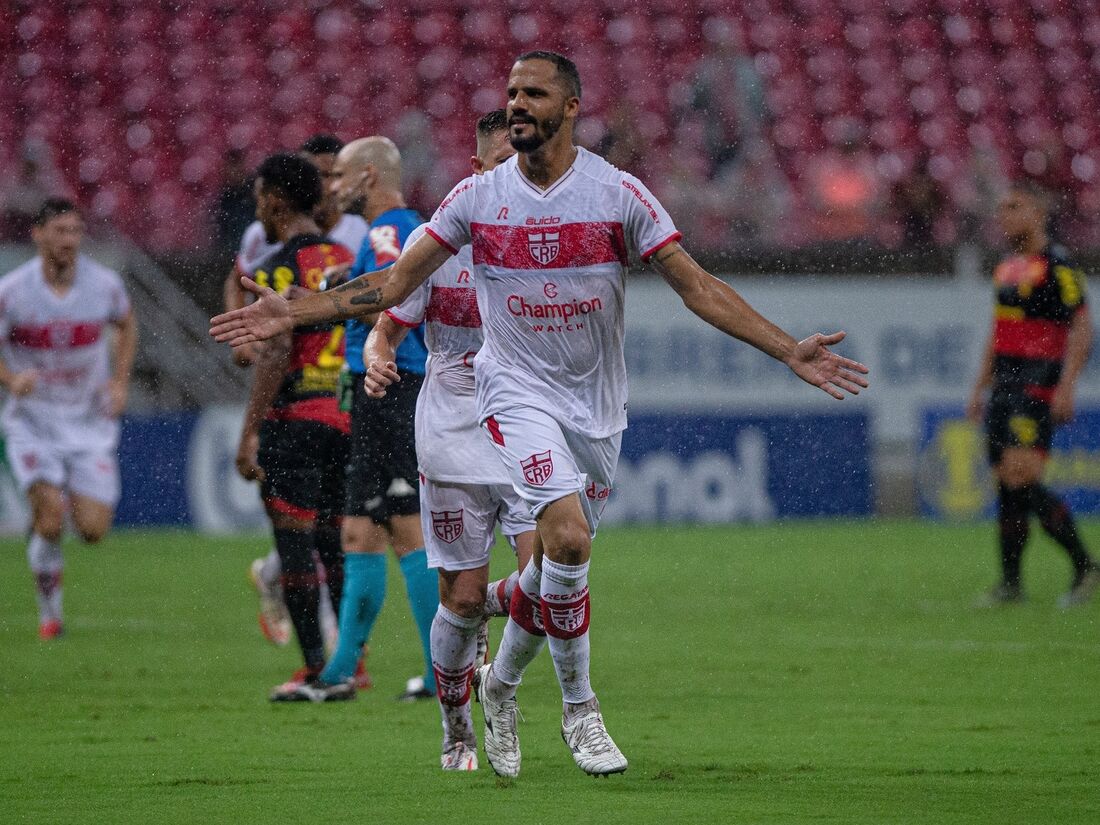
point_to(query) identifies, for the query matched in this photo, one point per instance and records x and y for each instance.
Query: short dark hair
(494, 121)
(322, 144)
(296, 179)
(52, 208)
(567, 69)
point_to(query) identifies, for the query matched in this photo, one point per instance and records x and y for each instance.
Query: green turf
(824, 672)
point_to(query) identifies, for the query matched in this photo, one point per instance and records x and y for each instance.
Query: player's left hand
(248, 464)
(117, 394)
(1061, 405)
(815, 364)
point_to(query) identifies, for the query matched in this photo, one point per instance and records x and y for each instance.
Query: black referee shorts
(382, 477)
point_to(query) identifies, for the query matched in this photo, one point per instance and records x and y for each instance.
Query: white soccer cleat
(273, 616)
(594, 751)
(501, 740)
(459, 757)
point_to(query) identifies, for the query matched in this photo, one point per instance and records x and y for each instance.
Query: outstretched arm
(720, 306)
(271, 314)
(379, 354)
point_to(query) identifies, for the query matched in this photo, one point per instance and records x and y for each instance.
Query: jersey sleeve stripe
(675, 236)
(399, 320)
(428, 230)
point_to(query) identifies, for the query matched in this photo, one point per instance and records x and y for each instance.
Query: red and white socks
(498, 597)
(44, 558)
(523, 636)
(454, 645)
(566, 611)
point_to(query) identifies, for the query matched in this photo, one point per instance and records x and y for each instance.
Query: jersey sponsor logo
(597, 492)
(386, 244)
(447, 525)
(636, 192)
(502, 215)
(565, 310)
(544, 246)
(550, 290)
(567, 246)
(548, 220)
(463, 277)
(538, 468)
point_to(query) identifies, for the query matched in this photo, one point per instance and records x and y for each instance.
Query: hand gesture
(266, 317)
(380, 374)
(812, 361)
(247, 462)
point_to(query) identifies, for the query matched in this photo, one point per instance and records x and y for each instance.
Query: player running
(67, 384)
(550, 232)
(294, 433)
(1041, 337)
(464, 489)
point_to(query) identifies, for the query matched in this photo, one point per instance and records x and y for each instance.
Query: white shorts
(459, 521)
(548, 462)
(88, 473)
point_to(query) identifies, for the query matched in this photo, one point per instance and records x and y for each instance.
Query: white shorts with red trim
(91, 473)
(459, 521)
(548, 462)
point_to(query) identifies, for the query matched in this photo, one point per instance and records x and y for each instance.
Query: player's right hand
(248, 464)
(380, 374)
(265, 318)
(23, 383)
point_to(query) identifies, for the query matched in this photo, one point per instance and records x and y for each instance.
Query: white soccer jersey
(551, 268)
(450, 445)
(349, 231)
(64, 340)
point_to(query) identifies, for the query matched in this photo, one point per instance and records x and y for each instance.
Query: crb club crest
(569, 619)
(538, 468)
(544, 246)
(447, 525)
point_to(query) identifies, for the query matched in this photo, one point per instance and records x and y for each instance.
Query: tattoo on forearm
(358, 285)
(370, 298)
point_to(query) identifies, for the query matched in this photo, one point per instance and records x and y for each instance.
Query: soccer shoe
(51, 629)
(594, 751)
(501, 740)
(290, 690)
(1002, 594)
(273, 617)
(482, 656)
(319, 691)
(459, 757)
(1082, 591)
(414, 691)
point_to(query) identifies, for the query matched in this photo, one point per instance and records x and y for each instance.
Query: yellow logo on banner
(964, 485)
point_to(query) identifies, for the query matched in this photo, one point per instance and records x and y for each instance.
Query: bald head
(377, 151)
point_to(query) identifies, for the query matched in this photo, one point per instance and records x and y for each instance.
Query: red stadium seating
(140, 100)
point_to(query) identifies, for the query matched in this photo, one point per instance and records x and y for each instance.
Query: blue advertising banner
(178, 470)
(954, 481)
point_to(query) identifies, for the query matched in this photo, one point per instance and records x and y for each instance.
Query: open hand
(264, 318)
(815, 364)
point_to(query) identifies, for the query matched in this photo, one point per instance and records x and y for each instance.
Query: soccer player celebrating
(464, 488)
(294, 437)
(1041, 337)
(550, 232)
(67, 384)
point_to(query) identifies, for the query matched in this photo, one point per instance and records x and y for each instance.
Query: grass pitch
(821, 672)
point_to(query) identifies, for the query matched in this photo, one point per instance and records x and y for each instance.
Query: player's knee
(92, 533)
(361, 535)
(48, 524)
(568, 543)
(467, 605)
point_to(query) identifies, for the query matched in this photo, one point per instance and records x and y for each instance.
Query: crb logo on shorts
(538, 468)
(447, 525)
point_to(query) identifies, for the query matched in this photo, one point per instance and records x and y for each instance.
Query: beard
(544, 130)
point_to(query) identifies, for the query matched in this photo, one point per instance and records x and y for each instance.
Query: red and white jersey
(349, 231)
(551, 270)
(64, 339)
(450, 446)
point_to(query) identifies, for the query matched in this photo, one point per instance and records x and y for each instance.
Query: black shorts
(303, 464)
(1015, 419)
(382, 473)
